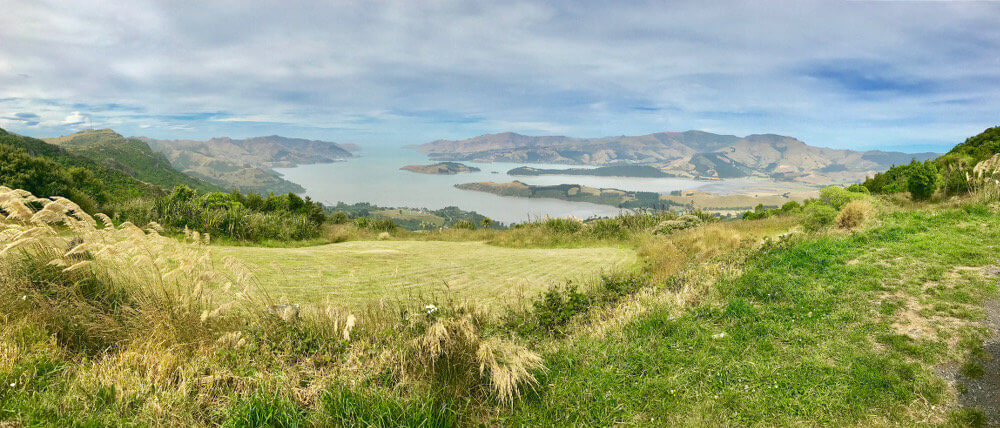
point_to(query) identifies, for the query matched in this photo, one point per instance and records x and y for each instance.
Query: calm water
(375, 177)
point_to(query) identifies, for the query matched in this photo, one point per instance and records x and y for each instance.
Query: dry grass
(455, 357)
(854, 214)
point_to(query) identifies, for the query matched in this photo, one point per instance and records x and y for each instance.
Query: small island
(711, 203)
(643, 171)
(441, 168)
(571, 192)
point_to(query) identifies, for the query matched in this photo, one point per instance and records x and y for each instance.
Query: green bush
(339, 217)
(463, 224)
(791, 207)
(557, 307)
(817, 216)
(563, 225)
(922, 181)
(375, 224)
(683, 222)
(837, 197)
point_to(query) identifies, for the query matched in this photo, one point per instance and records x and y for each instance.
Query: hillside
(269, 151)
(129, 155)
(965, 167)
(49, 170)
(246, 164)
(685, 154)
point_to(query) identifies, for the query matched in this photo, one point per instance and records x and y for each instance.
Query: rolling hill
(246, 164)
(129, 155)
(695, 154)
(49, 170)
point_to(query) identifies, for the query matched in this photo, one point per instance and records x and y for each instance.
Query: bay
(375, 177)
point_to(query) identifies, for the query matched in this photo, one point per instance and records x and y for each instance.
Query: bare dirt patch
(982, 392)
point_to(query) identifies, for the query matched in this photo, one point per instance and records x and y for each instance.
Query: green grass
(802, 325)
(367, 271)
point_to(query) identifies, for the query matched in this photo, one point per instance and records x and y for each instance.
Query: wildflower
(13, 384)
(24, 297)
(431, 309)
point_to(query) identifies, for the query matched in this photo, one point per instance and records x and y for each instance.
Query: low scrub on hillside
(233, 215)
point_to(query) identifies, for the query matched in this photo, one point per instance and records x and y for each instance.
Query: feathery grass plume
(458, 362)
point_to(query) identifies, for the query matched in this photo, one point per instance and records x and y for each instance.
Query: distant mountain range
(246, 163)
(694, 154)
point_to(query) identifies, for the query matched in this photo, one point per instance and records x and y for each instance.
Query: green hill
(130, 155)
(975, 149)
(956, 171)
(47, 170)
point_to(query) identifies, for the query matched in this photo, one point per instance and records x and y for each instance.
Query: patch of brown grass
(854, 214)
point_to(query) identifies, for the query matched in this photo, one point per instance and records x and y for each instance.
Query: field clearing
(364, 271)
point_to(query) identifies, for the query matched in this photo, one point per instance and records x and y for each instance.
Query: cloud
(853, 74)
(74, 118)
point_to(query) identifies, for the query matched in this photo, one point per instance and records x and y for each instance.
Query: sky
(891, 75)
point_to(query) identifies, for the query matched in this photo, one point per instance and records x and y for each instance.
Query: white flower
(431, 308)
(13, 384)
(24, 297)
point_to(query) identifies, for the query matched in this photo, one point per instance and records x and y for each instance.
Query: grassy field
(841, 329)
(365, 271)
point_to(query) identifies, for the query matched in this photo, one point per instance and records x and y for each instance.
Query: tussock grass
(854, 214)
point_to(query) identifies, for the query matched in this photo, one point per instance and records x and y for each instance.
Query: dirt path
(983, 392)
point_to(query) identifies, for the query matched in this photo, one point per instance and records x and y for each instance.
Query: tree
(922, 181)
(486, 222)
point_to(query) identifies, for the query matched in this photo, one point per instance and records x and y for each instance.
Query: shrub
(670, 226)
(857, 188)
(463, 224)
(791, 207)
(922, 181)
(375, 224)
(339, 217)
(853, 214)
(563, 225)
(817, 216)
(557, 307)
(606, 228)
(837, 197)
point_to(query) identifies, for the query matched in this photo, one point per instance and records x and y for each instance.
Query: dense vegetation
(48, 170)
(953, 173)
(234, 215)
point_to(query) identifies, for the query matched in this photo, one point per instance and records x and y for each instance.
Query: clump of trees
(952, 173)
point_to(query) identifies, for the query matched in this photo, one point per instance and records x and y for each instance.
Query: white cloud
(75, 118)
